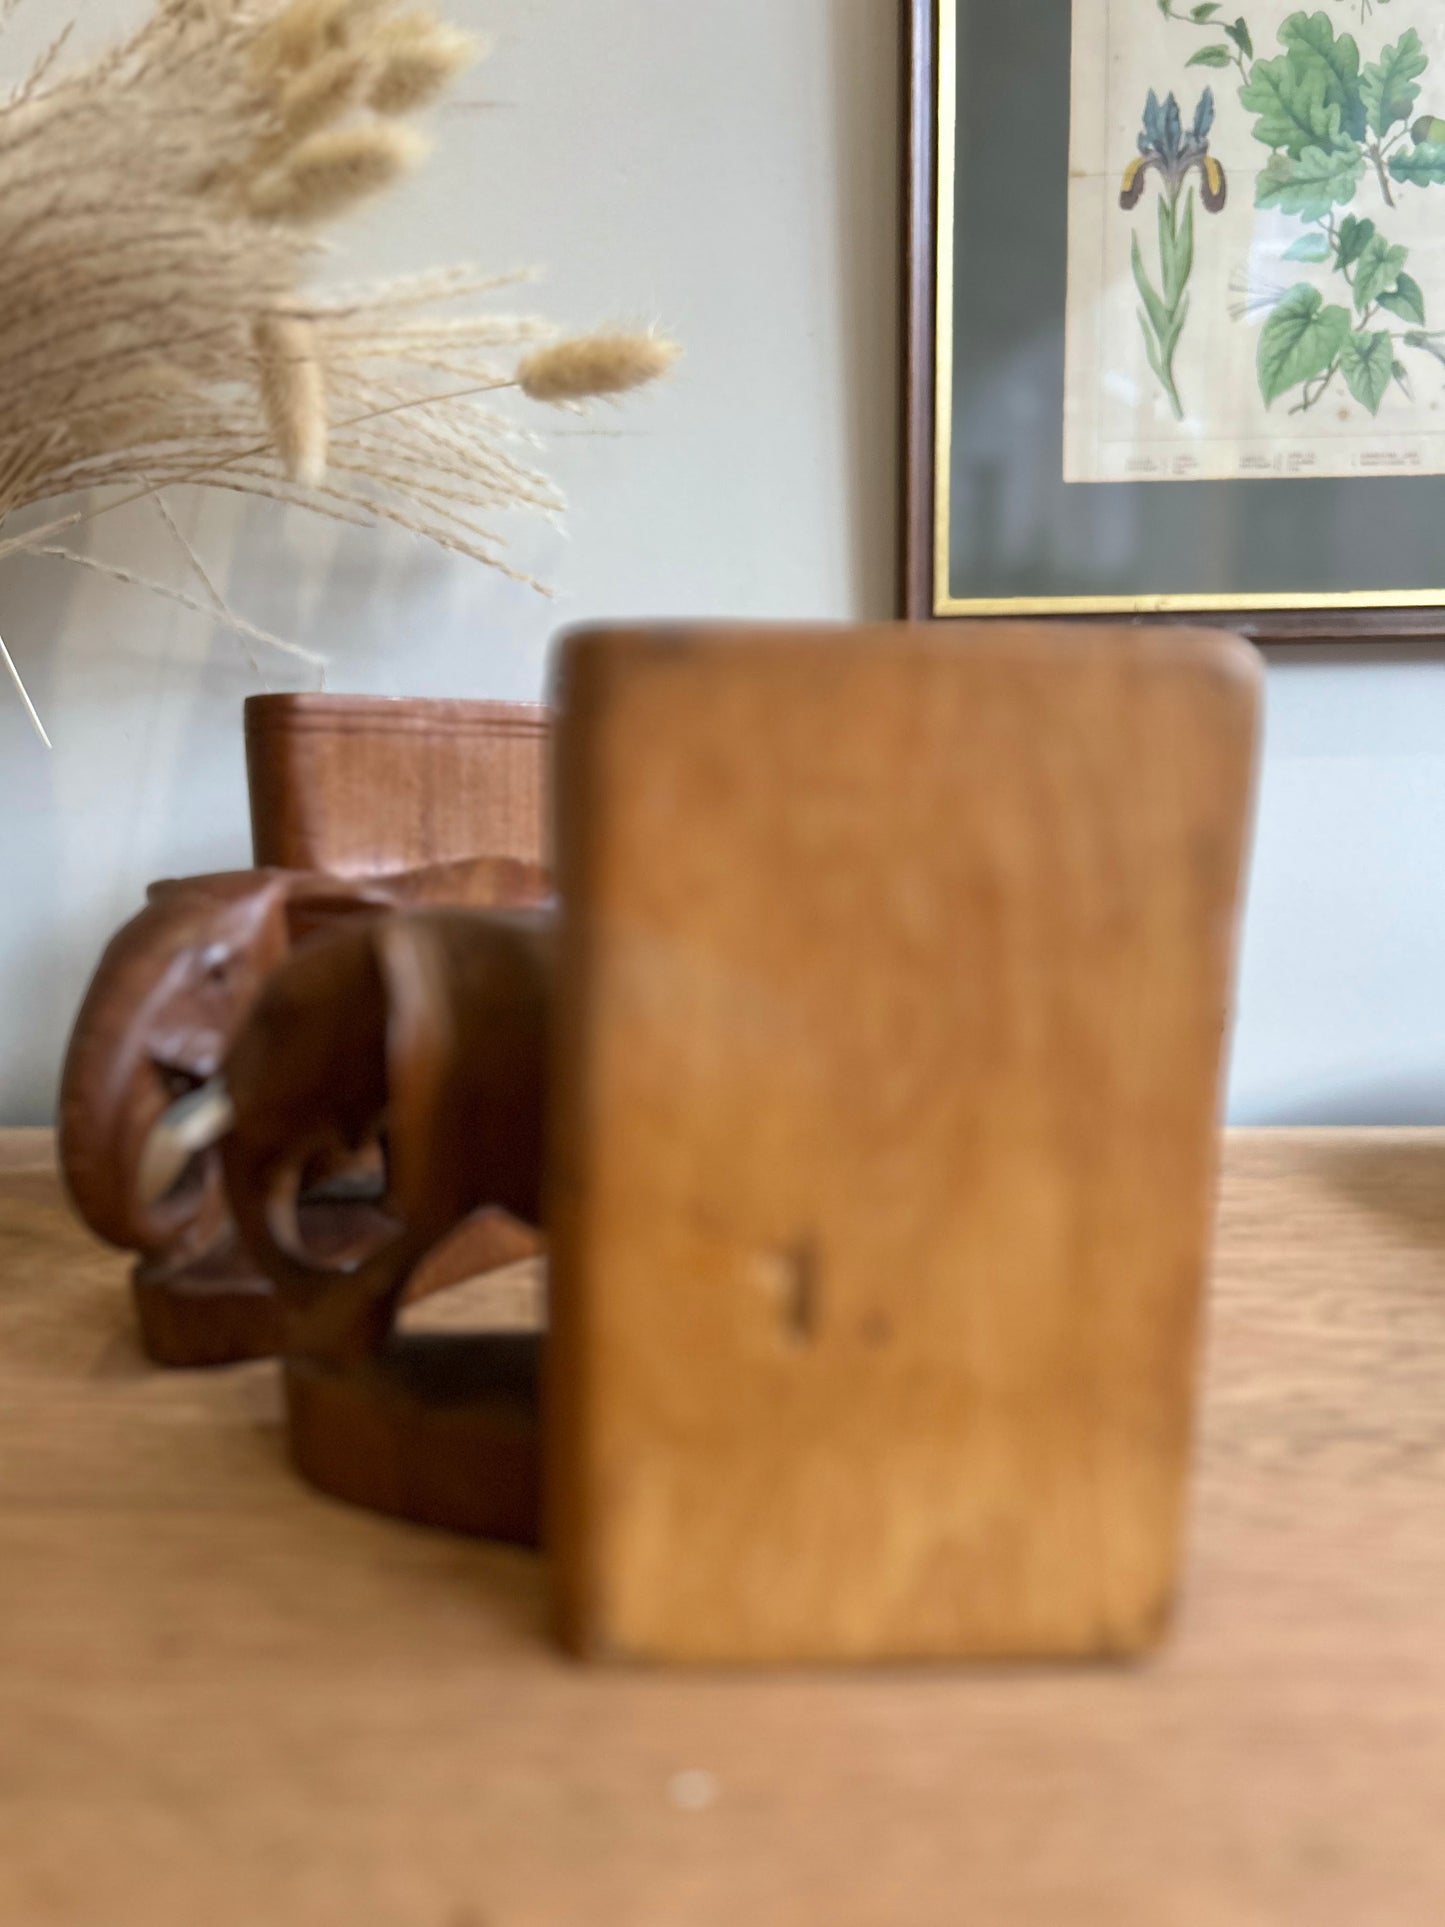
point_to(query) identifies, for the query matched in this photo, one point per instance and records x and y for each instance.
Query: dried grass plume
(574, 371)
(293, 395)
(160, 211)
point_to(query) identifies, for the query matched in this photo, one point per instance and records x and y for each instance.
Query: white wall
(730, 169)
(1341, 1017)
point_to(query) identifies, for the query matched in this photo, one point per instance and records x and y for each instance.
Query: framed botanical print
(1176, 339)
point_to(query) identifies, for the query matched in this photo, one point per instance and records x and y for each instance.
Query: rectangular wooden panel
(364, 785)
(895, 980)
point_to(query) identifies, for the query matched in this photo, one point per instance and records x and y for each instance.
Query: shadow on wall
(865, 46)
(1340, 1019)
(1417, 1100)
(137, 784)
(35, 613)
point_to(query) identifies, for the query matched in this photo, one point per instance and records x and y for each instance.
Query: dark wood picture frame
(920, 296)
(920, 227)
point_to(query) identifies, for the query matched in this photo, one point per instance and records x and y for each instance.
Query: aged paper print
(1256, 240)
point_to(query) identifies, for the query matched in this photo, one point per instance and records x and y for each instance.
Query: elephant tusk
(192, 1124)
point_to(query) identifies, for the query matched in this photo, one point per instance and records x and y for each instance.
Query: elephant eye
(216, 963)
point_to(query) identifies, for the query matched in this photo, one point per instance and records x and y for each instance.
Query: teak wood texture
(170, 997)
(894, 977)
(431, 1027)
(363, 785)
(225, 1700)
(362, 805)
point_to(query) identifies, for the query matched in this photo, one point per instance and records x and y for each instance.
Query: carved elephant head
(425, 1032)
(171, 992)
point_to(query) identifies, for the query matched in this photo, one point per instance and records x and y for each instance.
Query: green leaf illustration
(1158, 313)
(1355, 237)
(1387, 85)
(1312, 247)
(1176, 249)
(1206, 10)
(1311, 37)
(1310, 186)
(1301, 339)
(1367, 363)
(1152, 352)
(1168, 252)
(1380, 268)
(1406, 299)
(1171, 340)
(1239, 34)
(1292, 96)
(1210, 57)
(1422, 166)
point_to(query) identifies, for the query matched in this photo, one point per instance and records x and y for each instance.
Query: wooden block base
(219, 1311)
(442, 1430)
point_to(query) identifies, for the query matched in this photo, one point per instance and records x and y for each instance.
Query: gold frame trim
(947, 604)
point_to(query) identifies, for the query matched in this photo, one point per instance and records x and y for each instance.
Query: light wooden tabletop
(225, 1702)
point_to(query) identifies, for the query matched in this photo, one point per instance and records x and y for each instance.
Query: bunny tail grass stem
(30, 709)
(199, 571)
(197, 607)
(595, 365)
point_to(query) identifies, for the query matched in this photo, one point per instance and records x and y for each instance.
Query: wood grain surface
(224, 1700)
(885, 1132)
(366, 785)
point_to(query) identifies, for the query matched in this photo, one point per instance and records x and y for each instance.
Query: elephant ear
(420, 1046)
(471, 883)
(320, 903)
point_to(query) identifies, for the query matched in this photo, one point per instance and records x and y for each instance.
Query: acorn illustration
(1429, 129)
(1164, 146)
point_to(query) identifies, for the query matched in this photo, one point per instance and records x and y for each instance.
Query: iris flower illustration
(1166, 149)
(1165, 146)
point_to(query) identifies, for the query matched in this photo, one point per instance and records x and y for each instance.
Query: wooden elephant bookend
(427, 1034)
(417, 803)
(868, 1089)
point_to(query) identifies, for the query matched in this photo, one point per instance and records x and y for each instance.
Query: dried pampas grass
(159, 214)
(416, 60)
(327, 173)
